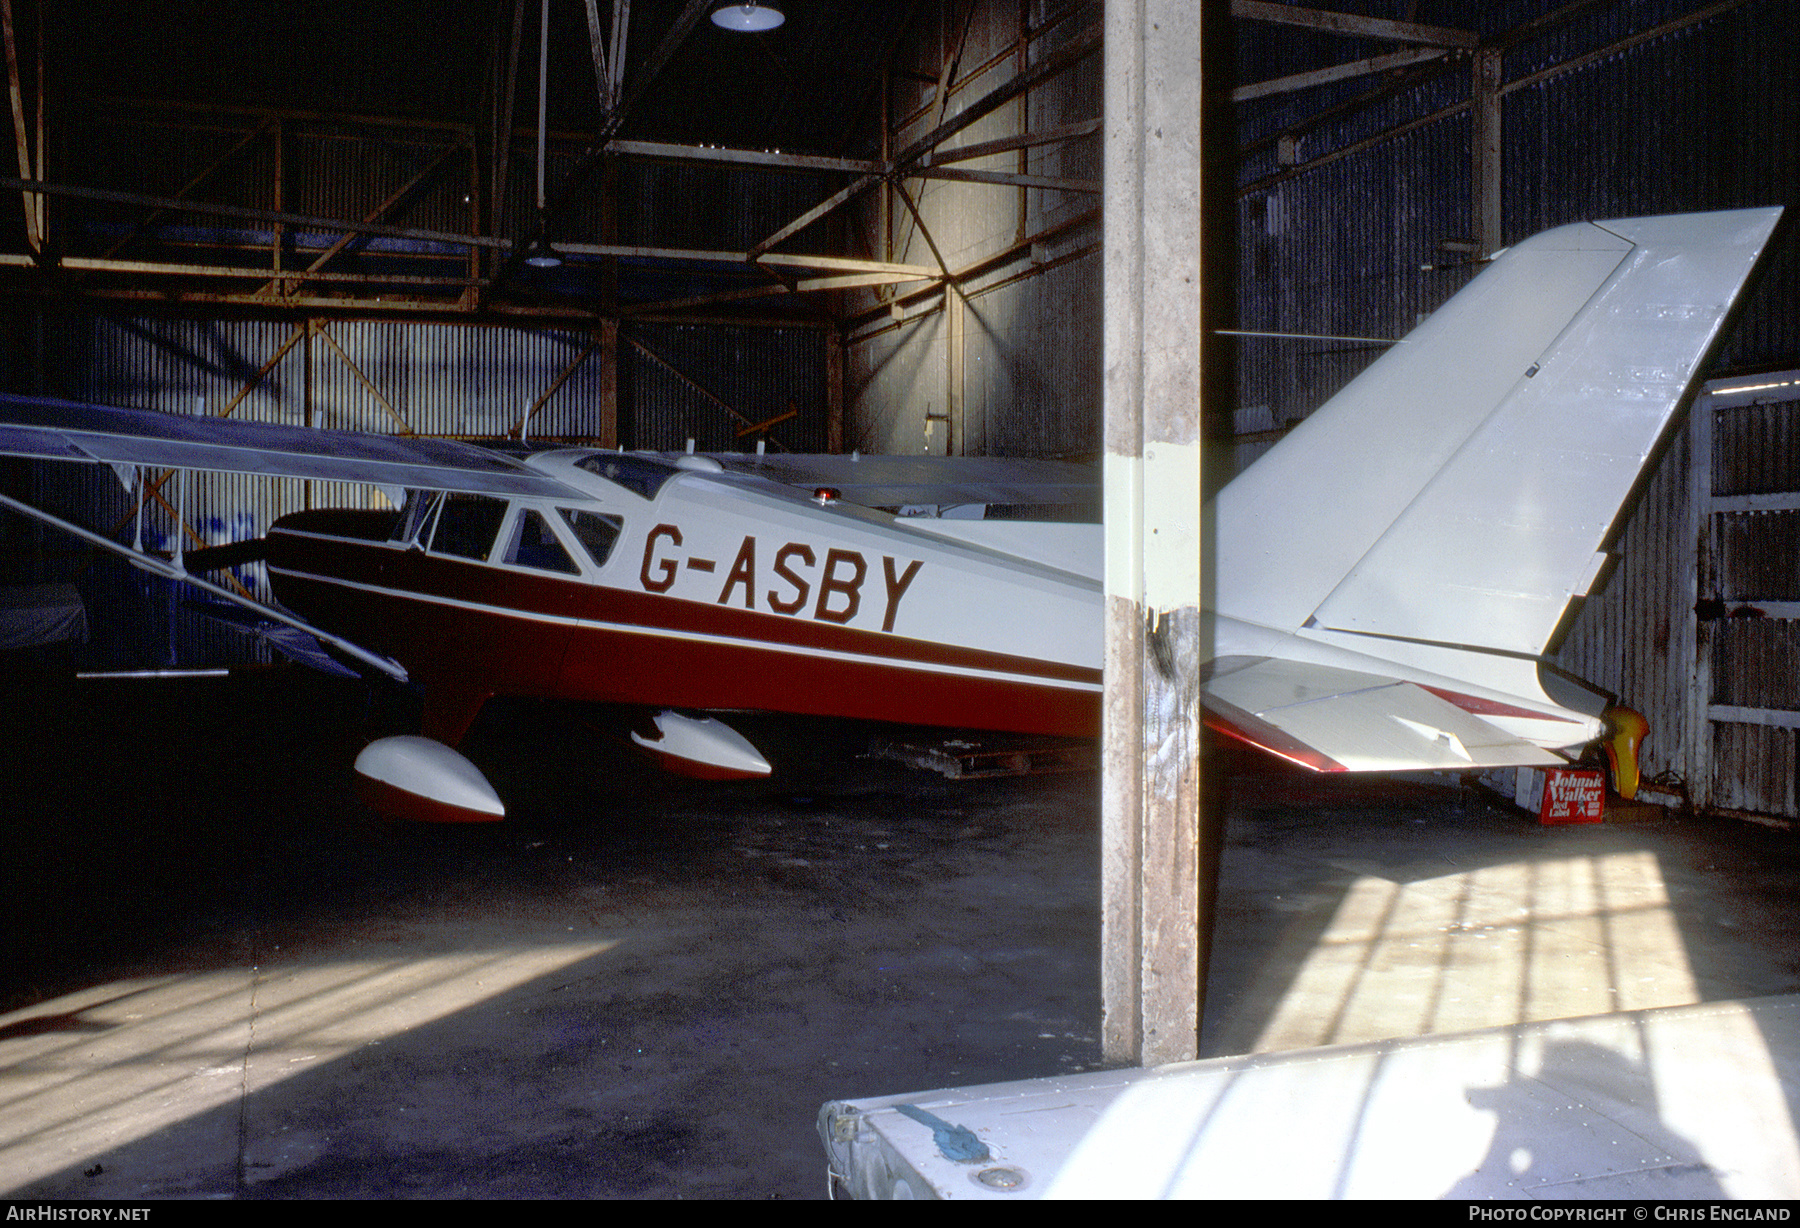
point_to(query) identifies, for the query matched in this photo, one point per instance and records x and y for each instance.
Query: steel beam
(598, 46)
(1007, 179)
(1006, 144)
(609, 381)
(596, 342)
(394, 198)
(834, 392)
(804, 285)
(705, 392)
(1719, 8)
(676, 35)
(1063, 58)
(297, 220)
(615, 67)
(742, 157)
(1067, 56)
(1549, 21)
(33, 235)
(1351, 24)
(1337, 72)
(814, 214)
(984, 264)
(319, 328)
(505, 86)
(155, 268)
(196, 181)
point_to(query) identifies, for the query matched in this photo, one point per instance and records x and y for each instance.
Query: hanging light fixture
(540, 255)
(747, 18)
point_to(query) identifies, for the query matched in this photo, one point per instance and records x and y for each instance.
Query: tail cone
(1626, 733)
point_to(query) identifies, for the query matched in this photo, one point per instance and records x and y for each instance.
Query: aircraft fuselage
(681, 589)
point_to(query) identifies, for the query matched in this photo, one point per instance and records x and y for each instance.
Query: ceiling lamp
(540, 255)
(747, 18)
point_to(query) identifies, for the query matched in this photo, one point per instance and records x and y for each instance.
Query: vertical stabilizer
(1457, 491)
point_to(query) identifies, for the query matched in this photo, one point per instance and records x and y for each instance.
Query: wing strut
(174, 571)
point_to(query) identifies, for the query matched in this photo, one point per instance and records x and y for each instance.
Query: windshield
(639, 474)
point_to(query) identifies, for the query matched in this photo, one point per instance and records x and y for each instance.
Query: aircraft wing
(73, 431)
(47, 429)
(896, 481)
(1340, 720)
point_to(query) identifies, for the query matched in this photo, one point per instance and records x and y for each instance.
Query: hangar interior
(276, 215)
(875, 228)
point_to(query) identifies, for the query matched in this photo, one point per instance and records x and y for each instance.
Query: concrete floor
(222, 979)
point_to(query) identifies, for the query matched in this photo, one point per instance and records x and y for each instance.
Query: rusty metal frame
(698, 387)
(1549, 21)
(905, 162)
(34, 205)
(375, 215)
(471, 294)
(318, 328)
(596, 343)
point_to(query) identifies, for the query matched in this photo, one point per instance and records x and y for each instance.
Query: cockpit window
(638, 474)
(467, 526)
(414, 522)
(596, 531)
(534, 544)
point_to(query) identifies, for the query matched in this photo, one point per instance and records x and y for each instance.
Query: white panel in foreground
(1685, 1102)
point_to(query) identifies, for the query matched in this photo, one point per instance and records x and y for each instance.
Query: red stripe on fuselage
(657, 650)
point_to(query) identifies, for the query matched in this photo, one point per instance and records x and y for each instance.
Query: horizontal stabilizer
(1337, 720)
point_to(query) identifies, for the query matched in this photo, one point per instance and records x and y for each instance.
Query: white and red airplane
(1387, 576)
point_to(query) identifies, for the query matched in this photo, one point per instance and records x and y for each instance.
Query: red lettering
(830, 584)
(666, 568)
(801, 587)
(896, 588)
(743, 571)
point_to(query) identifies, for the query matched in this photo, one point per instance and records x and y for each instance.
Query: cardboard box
(1573, 795)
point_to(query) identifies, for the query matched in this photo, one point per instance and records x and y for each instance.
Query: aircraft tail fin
(1458, 490)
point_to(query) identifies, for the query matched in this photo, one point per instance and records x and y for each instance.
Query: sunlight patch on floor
(111, 1064)
(1486, 947)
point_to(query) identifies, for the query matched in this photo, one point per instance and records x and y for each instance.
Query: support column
(278, 242)
(834, 391)
(609, 286)
(955, 439)
(307, 411)
(1485, 147)
(1152, 958)
(609, 383)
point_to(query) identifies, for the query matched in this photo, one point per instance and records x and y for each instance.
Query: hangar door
(1743, 719)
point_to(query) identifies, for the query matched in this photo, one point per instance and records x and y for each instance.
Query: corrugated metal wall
(1028, 363)
(1705, 116)
(712, 384)
(1634, 637)
(1645, 106)
(1012, 366)
(373, 375)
